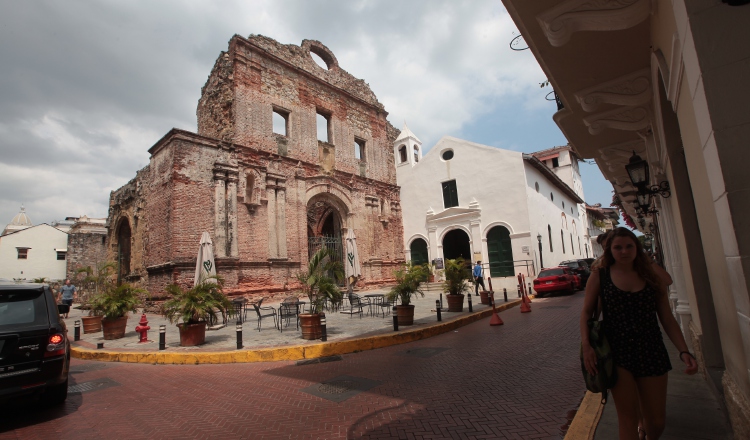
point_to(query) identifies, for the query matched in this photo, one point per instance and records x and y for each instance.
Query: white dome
(20, 221)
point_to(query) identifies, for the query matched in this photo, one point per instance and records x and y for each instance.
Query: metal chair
(289, 307)
(355, 306)
(264, 312)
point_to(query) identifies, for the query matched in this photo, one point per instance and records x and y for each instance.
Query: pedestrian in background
(68, 293)
(633, 296)
(478, 278)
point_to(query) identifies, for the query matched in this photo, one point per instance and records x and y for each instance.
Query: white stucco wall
(493, 190)
(42, 240)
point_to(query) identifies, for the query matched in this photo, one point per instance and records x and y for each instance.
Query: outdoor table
(300, 308)
(240, 308)
(374, 299)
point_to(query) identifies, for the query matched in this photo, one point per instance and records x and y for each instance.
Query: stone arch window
(123, 249)
(323, 126)
(402, 154)
(280, 121)
(549, 233)
(249, 186)
(416, 154)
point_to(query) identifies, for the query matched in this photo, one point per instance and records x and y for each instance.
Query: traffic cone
(525, 308)
(525, 292)
(495, 320)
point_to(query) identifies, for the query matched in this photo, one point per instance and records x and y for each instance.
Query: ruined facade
(259, 180)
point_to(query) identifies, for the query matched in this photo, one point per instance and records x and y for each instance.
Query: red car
(556, 279)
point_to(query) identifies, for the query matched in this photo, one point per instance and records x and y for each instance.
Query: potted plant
(456, 275)
(113, 305)
(89, 289)
(408, 281)
(196, 307)
(319, 284)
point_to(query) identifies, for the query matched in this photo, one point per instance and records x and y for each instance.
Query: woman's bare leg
(625, 395)
(653, 392)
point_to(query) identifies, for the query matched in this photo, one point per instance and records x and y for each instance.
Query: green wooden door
(418, 252)
(500, 252)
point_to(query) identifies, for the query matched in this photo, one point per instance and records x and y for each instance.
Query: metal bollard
(239, 335)
(77, 331)
(519, 291)
(162, 337)
(323, 330)
(437, 307)
(395, 319)
(505, 294)
(530, 291)
(470, 307)
(441, 300)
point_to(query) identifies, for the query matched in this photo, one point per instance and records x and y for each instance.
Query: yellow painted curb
(286, 353)
(587, 418)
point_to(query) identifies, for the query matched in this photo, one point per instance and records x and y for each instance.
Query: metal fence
(314, 244)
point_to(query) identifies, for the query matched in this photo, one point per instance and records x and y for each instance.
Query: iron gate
(314, 244)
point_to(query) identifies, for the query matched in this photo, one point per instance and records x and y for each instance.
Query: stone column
(220, 214)
(281, 221)
(232, 214)
(678, 297)
(273, 240)
(476, 239)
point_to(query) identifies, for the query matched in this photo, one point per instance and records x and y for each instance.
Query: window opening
(402, 153)
(318, 60)
(280, 122)
(359, 149)
(552, 197)
(562, 239)
(555, 162)
(549, 233)
(447, 155)
(323, 127)
(61, 255)
(416, 154)
(23, 253)
(563, 204)
(572, 247)
(104, 240)
(536, 185)
(450, 194)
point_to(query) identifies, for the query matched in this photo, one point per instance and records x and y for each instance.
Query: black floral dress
(632, 329)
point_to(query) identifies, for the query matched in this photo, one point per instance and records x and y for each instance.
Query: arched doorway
(324, 227)
(456, 244)
(419, 253)
(500, 252)
(123, 250)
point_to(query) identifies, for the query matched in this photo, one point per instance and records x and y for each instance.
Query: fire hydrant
(143, 329)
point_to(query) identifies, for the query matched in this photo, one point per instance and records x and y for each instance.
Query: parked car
(555, 279)
(580, 268)
(34, 345)
(589, 261)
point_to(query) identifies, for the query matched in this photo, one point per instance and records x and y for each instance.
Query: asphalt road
(520, 380)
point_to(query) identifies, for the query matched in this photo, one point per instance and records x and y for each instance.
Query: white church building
(484, 203)
(28, 252)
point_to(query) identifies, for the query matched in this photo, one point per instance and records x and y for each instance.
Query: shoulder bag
(606, 376)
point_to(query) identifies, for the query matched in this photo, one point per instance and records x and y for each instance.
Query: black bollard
(77, 331)
(470, 308)
(162, 337)
(505, 294)
(441, 300)
(437, 307)
(239, 335)
(530, 291)
(323, 330)
(519, 290)
(395, 319)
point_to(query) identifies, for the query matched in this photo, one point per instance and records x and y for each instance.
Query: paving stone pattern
(516, 381)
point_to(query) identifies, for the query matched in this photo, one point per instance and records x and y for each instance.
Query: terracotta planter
(430, 278)
(91, 324)
(114, 328)
(405, 315)
(484, 295)
(192, 334)
(310, 325)
(455, 303)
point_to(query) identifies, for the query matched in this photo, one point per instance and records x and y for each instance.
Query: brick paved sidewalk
(516, 381)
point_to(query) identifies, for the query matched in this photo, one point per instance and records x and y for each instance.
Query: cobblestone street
(516, 381)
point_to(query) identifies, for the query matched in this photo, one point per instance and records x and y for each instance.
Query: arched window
(572, 247)
(549, 232)
(123, 250)
(562, 239)
(416, 154)
(402, 154)
(249, 186)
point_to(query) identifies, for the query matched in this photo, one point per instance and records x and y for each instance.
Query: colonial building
(34, 252)
(600, 220)
(663, 81)
(289, 155)
(505, 208)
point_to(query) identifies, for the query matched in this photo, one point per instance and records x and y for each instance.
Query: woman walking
(633, 295)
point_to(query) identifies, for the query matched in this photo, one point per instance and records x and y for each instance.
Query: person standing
(634, 300)
(478, 279)
(68, 293)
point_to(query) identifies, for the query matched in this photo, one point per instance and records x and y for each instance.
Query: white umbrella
(205, 267)
(352, 256)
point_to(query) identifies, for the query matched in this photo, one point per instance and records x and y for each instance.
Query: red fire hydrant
(143, 329)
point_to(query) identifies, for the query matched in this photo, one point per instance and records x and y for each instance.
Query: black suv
(34, 346)
(581, 268)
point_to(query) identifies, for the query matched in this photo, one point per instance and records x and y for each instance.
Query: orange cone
(525, 308)
(495, 320)
(525, 292)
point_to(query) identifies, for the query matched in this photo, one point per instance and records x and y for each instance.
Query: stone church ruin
(288, 156)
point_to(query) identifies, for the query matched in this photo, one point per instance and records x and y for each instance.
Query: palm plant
(100, 281)
(197, 304)
(117, 301)
(456, 275)
(319, 281)
(408, 281)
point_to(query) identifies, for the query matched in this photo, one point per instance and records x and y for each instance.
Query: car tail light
(56, 345)
(562, 278)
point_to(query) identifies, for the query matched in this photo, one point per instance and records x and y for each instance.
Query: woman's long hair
(641, 264)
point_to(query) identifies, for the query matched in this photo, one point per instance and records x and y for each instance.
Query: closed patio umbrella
(351, 262)
(205, 267)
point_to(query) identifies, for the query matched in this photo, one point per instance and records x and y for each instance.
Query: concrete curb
(288, 353)
(583, 426)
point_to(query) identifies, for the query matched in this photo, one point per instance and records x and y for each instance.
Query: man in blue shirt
(478, 277)
(68, 293)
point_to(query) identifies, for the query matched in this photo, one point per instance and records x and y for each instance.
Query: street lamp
(541, 262)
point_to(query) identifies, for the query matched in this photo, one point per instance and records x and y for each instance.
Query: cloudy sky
(86, 87)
